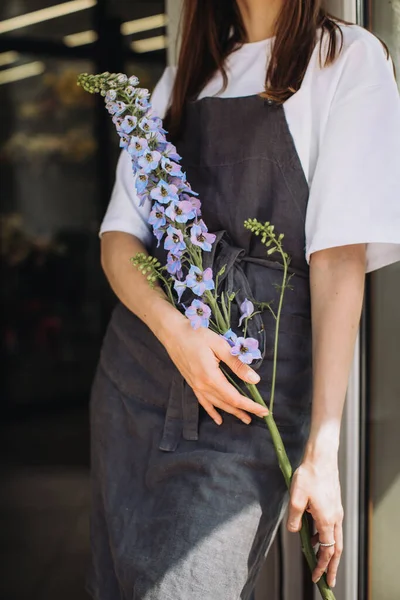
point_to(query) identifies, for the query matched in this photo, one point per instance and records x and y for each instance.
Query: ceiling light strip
(21, 72)
(45, 14)
(145, 24)
(6, 58)
(159, 42)
(81, 38)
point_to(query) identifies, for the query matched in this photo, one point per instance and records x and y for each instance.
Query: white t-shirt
(345, 123)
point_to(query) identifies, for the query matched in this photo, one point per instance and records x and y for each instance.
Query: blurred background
(58, 153)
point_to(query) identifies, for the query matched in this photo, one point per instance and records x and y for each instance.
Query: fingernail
(218, 422)
(264, 412)
(334, 583)
(253, 377)
(246, 421)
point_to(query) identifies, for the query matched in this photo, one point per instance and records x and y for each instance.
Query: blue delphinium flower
(247, 309)
(160, 138)
(141, 182)
(111, 95)
(142, 93)
(157, 120)
(231, 337)
(179, 287)
(195, 202)
(171, 167)
(147, 125)
(182, 185)
(142, 104)
(174, 241)
(130, 91)
(138, 146)
(199, 281)
(124, 141)
(164, 192)
(117, 120)
(198, 314)
(121, 107)
(174, 265)
(149, 160)
(175, 209)
(181, 212)
(196, 205)
(246, 349)
(199, 236)
(171, 153)
(159, 234)
(128, 124)
(157, 216)
(111, 107)
(116, 108)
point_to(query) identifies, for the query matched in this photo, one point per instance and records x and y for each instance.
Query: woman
(283, 114)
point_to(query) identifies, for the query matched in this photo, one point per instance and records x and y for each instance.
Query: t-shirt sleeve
(123, 212)
(355, 191)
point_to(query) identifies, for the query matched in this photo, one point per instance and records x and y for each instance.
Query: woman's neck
(259, 17)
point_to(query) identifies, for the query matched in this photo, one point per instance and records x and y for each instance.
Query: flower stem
(167, 288)
(287, 471)
(283, 459)
(219, 317)
(277, 323)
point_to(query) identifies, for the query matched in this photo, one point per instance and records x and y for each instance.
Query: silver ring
(327, 545)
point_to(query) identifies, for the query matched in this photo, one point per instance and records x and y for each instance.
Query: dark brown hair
(212, 29)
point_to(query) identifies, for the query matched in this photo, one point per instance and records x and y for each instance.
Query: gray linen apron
(183, 509)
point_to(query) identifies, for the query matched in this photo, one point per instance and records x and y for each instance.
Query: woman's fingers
(225, 392)
(209, 403)
(217, 391)
(210, 410)
(335, 560)
(297, 506)
(325, 553)
(240, 414)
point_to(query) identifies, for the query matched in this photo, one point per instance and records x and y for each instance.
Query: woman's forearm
(132, 288)
(337, 280)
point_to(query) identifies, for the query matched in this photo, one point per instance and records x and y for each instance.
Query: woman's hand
(316, 488)
(197, 355)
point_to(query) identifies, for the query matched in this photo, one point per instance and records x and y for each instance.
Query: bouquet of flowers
(176, 221)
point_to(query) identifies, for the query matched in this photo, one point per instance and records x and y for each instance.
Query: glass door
(58, 152)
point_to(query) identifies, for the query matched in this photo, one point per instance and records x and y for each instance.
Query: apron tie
(182, 417)
(234, 279)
